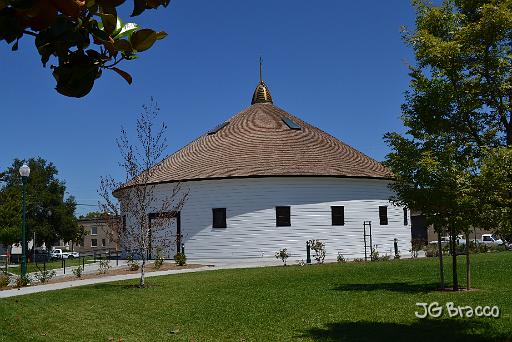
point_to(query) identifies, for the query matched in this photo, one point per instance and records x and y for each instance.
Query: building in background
(98, 240)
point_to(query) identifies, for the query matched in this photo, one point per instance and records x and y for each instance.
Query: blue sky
(340, 65)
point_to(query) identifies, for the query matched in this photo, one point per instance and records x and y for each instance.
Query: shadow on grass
(402, 287)
(419, 331)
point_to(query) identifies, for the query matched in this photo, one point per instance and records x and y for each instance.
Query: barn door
(166, 234)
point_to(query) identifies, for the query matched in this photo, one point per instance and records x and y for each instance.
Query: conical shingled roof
(257, 142)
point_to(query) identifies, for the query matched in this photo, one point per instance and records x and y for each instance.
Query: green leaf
(109, 23)
(123, 45)
(161, 35)
(123, 74)
(143, 39)
(138, 7)
(127, 30)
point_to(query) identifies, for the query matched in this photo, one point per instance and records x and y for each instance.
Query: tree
(92, 215)
(458, 106)
(49, 214)
(84, 36)
(495, 191)
(137, 215)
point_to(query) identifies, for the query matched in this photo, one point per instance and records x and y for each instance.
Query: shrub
(416, 246)
(22, 281)
(78, 272)
(374, 256)
(431, 250)
(358, 260)
(180, 259)
(159, 260)
(319, 248)
(283, 255)
(44, 276)
(4, 280)
(104, 266)
(132, 264)
(340, 258)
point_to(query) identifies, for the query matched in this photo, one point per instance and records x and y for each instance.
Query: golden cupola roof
(261, 93)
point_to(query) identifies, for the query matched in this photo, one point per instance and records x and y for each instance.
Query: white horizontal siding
(251, 228)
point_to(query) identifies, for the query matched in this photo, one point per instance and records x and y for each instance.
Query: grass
(51, 265)
(332, 302)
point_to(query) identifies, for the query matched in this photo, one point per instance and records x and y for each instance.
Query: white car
(491, 239)
(57, 253)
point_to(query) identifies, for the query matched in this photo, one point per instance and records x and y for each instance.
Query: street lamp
(24, 173)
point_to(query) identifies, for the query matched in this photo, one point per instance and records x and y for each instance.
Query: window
(383, 215)
(338, 215)
(406, 218)
(124, 222)
(218, 128)
(94, 231)
(219, 218)
(103, 244)
(283, 217)
(94, 243)
(291, 124)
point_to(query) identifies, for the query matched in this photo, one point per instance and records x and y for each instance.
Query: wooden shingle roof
(257, 142)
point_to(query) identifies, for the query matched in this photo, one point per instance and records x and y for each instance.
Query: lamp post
(24, 173)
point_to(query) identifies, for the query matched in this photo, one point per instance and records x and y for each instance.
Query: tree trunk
(441, 266)
(142, 270)
(454, 260)
(468, 264)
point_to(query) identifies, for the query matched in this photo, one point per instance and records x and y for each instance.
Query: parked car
(491, 239)
(57, 253)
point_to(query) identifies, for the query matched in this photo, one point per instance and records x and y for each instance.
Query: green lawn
(332, 302)
(51, 265)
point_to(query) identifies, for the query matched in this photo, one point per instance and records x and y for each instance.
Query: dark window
(218, 128)
(124, 222)
(219, 218)
(94, 231)
(338, 215)
(291, 124)
(283, 217)
(103, 244)
(94, 243)
(383, 215)
(406, 218)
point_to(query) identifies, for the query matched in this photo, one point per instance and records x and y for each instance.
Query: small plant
(132, 264)
(431, 250)
(104, 266)
(180, 259)
(358, 260)
(340, 258)
(22, 281)
(301, 262)
(4, 280)
(78, 272)
(374, 256)
(283, 255)
(159, 260)
(44, 276)
(319, 248)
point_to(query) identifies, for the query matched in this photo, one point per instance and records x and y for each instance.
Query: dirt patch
(118, 271)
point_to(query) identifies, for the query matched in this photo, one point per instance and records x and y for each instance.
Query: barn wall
(251, 221)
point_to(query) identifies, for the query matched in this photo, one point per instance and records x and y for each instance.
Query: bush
(22, 281)
(319, 248)
(104, 266)
(283, 255)
(159, 260)
(340, 258)
(358, 260)
(44, 276)
(374, 256)
(431, 250)
(180, 259)
(78, 272)
(132, 264)
(4, 280)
